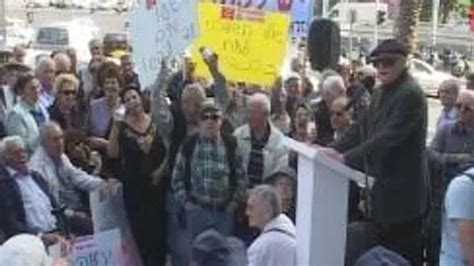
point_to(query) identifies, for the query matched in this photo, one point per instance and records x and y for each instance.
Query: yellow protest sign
(251, 43)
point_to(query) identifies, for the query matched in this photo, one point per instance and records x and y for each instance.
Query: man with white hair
(452, 147)
(454, 142)
(25, 202)
(45, 73)
(276, 244)
(65, 181)
(260, 142)
(332, 88)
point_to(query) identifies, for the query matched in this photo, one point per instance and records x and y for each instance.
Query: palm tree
(406, 23)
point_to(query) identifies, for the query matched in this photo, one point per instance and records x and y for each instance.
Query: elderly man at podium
(388, 143)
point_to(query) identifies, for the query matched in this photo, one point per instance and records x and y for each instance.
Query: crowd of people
(204, 166)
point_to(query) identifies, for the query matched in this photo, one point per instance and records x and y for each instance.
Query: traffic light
(381, 16)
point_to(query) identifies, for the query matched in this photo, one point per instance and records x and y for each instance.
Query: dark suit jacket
(12, 213)
(391, 135)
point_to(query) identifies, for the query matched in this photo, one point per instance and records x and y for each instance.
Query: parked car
(37, 3)
(428, 77)
(58, 36)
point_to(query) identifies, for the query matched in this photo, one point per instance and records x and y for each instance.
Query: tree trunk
(406, 24)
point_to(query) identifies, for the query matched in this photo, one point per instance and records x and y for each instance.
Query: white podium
(321, 215)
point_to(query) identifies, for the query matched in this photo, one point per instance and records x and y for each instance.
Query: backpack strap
(188, 150)
(230, 143)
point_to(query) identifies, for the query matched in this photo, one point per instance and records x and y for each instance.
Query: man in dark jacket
(388, 143)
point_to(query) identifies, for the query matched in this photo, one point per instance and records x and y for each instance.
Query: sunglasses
(463, 107)
(338, 114)
(69, 92)
(385, 62)
(213, 117)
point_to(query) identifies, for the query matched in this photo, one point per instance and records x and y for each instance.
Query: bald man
(448, 93)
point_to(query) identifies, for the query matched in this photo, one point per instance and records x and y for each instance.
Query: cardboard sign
(160, 30)
(102, 249)
(251, 43)
(301, 11)
(108, 213)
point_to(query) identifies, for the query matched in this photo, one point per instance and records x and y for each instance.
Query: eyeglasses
(385, 61)
(213, 117)
(69, 92)
(463, 107)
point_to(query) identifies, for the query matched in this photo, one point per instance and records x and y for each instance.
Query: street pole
(434, 19)
(325, 8)
(376, 27)
(3, 26)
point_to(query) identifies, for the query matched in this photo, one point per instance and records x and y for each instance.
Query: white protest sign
(102, 249)
(160, 30)
(108, 212)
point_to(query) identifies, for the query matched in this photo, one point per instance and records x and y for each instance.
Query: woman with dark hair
(134, 139)
(27, 115)
(303, 129)
(101, 110)
(65, 109)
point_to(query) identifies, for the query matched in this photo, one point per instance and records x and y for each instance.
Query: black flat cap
(390, 46)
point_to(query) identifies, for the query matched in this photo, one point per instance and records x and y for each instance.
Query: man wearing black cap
(208, 178)
(388, 143)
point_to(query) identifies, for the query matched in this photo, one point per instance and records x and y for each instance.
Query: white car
(58, 36)
(82, 4)
(428, 77)
(37, 3)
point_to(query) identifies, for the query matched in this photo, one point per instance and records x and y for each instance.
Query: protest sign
(251, 44)
(160, 30)
(108, 213)
(102, 249)
(301, 11)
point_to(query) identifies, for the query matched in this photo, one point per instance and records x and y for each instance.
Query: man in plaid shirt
(209, 177)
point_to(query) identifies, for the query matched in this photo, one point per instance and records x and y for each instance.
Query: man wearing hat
(208, 178)
(388, 143)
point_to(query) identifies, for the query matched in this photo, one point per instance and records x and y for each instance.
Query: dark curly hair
(109, 70)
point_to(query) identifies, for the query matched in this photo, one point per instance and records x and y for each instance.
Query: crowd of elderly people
(196, 155)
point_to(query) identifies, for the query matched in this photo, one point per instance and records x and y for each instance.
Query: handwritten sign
(250, 43)
(301, 11)
(267, 5)
(108, 213)
(102, 249)
(160, 30)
